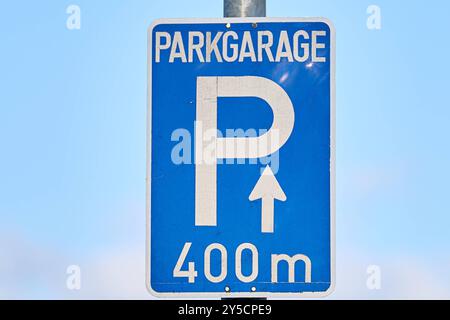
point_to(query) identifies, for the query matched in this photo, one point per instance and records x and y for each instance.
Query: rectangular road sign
(241, 157)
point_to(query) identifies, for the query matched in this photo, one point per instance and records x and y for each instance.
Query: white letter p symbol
(209, 89)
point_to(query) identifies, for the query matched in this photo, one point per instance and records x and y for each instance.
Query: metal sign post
(244, 8)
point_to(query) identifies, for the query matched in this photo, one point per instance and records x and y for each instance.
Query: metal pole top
(244, 8)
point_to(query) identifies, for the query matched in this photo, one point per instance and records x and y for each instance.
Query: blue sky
(72, 133)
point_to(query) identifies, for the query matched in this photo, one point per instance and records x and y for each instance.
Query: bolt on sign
(241, 157)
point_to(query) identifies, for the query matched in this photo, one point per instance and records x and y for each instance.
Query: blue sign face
(240, 183)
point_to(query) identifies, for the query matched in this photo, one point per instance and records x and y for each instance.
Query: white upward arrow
(268, 189)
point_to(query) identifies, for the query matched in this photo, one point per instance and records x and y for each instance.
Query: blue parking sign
(241, 158)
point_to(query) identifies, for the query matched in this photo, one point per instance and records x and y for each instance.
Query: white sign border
(280, 295)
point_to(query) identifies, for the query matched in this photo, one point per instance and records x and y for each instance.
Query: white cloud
(402, 277)
(119, 274)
